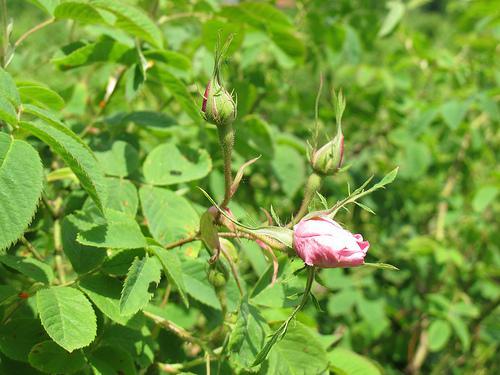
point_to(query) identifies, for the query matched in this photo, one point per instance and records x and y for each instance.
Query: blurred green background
(421, 79)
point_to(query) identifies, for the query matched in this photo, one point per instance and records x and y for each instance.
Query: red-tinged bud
(328, 159)
(218, 107)
(23, 295)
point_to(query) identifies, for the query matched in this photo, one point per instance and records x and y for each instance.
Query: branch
(33, 30)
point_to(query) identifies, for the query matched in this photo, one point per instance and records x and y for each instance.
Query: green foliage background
(421, 80)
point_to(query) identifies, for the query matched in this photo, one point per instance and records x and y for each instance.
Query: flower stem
(312, 186)
(226, 140)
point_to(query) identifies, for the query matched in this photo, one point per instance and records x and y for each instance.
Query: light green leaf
(111, 360)
(396, 13)
(80, 12)
(388, 178)
(104, 291)
(167, 165)
(50, 358)
(136, 290)
(132, 20)
(454, 112)
(484, 197)
(40, 95)
(382, 266)
(172, 268)
(197, 284)
(299, 352)
(8, 88)
(78, 157)
(46, 5)
(439, 334)
(118, 263)
(21, 176)
(178, 90)
(7, 111)
(171, 58)
(105, 50)
(121, 231)
(289, 167)
(67, 316)
(18, 336)
(461, 329)
(123, 196)
(170, 217)
(347, 362)
(120, 161)
(29, 267)
(254, 138)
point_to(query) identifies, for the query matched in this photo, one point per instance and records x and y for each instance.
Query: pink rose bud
(322, 242)
(218, 106)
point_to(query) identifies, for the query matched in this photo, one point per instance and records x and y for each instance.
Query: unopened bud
(218, 105)
(328, 159)
(216, 278)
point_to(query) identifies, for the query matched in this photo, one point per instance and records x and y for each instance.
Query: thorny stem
(226, 139)
(181, 242)
(312, 186)
(33, 30)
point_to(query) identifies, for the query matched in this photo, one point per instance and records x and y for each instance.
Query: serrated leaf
(21, 176)
(143, 274)
(118, 263)
(81, 12)
(167, 165)
(132, 20)
(7, 111)
(172, 268)
(29, 267)
(40, 95)
(78, 157)
(344, 361)
(67, 316)
(121, 231)
(8, 88)
(169, 216)
(46, 5)
(388, 178)
(18, 336)
(104, 291)
(50, 358)
(124, 197)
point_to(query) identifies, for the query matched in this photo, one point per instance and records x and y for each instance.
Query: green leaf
(29, 267)
(120, 161)
(121, 231)
(388, 178)
(141, 276)
(167, 165)
(40, 95)
(132, 20)
(254, 138)
(124, 197)
(454, 112)
(461, 329)
(80, 12)
(67, 316)
(111, 360)
(21, 176)
(197, 284)
(484, 197)
(382, 266)
(50, 358)
(396, 13)
(439, 334)
(178, 90)
(46, 5)
(170, 217)
(104, 291)
(299, 352)
(171, 58)
(172, 268)
(247, 336)
(8, 88)
(119, 262)
(78, 157)
(347, 362)
(106, 50)
(83, 258)
(289, 167)
(7, 111)
(18, 336)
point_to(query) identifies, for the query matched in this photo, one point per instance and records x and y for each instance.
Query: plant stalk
(226, 140)
(312, 186)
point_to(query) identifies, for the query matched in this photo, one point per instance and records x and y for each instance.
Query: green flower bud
(216, 278)
(218, 106)
(328, 159)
